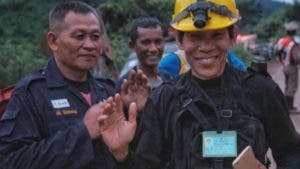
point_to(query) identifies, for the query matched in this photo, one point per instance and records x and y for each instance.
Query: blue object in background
(171, 64)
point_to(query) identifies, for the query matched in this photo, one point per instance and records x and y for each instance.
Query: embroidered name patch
(60, 103)
(69, 112)
(66, 112)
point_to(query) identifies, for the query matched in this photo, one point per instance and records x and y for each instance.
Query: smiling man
(206, 118)
(147, 40)
(55, 116)
(75, 44)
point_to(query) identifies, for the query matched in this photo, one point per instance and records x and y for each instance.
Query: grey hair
(58, 13)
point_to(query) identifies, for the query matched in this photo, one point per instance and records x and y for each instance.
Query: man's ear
(52, 41)
(235, 34)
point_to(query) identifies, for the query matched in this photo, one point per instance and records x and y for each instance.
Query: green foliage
(17, 60)
(251, 11)
(265, 29)
(243, 54)
(11, 2)
(118, 14)
(24, 23)
(271, 26)
(119, 44)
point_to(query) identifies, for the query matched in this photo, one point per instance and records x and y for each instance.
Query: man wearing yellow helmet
(210, 114)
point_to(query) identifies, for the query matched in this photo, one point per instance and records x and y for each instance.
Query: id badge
(219, 144)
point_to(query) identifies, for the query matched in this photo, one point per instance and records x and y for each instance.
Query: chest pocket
(197, 117)
(61, 119)
(64, 112)
(8, 119)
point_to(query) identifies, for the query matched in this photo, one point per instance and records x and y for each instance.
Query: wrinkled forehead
(78, 20)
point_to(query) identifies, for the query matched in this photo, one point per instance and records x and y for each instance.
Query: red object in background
(247, 40)
(5, 95)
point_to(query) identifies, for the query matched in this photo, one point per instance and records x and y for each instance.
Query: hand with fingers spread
(135, 89)
(90, 119)
(117, 132)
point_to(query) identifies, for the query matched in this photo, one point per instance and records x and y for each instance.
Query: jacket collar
(188, 84)
(54, 77)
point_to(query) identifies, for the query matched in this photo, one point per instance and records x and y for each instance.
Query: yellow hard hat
(197, 15)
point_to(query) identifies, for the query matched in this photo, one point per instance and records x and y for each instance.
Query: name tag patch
(60, 103)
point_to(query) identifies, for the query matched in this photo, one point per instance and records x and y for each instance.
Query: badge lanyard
(220, 143)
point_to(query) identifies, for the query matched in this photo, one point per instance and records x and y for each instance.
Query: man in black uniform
(55, 116)
(210, 114)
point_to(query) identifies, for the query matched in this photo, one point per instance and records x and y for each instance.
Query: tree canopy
(24, 23)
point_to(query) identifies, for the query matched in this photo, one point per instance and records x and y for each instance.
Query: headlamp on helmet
(199, 11)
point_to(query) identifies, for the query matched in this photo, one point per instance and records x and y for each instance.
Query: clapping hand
(135, 89)
(116, 131)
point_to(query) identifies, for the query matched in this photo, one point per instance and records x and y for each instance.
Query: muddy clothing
(178, 112)
(43, 128)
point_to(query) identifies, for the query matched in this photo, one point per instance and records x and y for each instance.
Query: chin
(88, 67)
(206, 74)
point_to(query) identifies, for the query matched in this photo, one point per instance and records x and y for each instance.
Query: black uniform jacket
(42, 126)
(176, 114)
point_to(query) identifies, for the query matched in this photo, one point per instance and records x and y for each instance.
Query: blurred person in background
(288, 52)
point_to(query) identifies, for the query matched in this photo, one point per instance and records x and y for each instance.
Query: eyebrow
(83, 30)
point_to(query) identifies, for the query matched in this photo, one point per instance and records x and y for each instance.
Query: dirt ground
(275, 70)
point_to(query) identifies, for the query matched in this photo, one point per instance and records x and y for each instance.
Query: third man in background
(288, 53)
(147, 40)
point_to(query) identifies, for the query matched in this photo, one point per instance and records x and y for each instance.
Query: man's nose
(89, 44)
(205, 46)
(153, 47)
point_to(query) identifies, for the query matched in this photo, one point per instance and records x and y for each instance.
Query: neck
(72, 74)
(75, 76)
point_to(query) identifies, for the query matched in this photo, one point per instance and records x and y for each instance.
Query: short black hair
(58, 13)
(230, 31)
(143, 22)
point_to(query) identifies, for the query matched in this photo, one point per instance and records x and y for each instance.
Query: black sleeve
(149, 146)
(280, 131)
(25, 144)
(151, 151)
